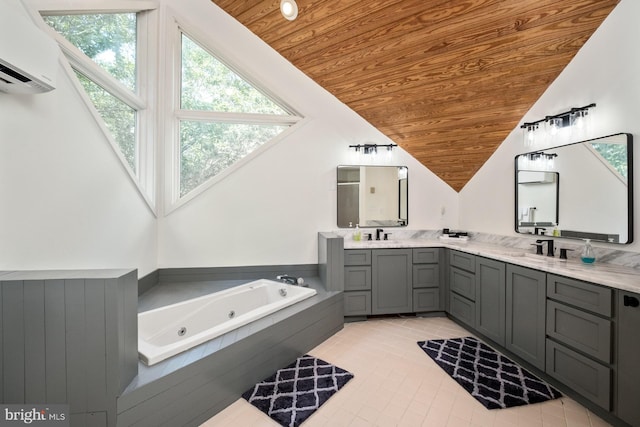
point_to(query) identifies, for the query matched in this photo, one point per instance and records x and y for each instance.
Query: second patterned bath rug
(295, 392)
(492, 378)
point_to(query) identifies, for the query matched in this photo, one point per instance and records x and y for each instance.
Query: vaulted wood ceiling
(445, 80)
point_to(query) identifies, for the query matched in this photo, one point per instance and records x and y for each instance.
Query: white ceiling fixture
(289, 9)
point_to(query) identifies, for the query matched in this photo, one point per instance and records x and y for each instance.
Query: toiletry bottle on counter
(556, 231)
(356, 234)
(587, 256)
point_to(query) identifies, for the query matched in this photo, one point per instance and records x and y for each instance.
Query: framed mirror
(583, 190)
(373, 196)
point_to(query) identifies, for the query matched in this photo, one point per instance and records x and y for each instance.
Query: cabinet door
(357, 278)
(628, 351)
(585, 376)
(426, 276)
(490, 299)
(587, 296)
(462, 309)
(391, 281)
(583, 331)
(357, 257)
(357, 303)
(426, 255)
(463, 283)
(525, 314)
(426, 299)
(462, 260)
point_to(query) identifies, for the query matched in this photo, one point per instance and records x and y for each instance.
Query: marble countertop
(611, 275)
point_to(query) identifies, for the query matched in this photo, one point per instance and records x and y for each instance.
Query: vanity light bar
(576, 120)
(560, 120)
(542, 154)
(371, 148)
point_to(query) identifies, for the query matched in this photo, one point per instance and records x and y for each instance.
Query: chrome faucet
(550, 250)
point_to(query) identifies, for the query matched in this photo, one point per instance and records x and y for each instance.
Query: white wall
(605, 71)
(67, 201)
(270, 210)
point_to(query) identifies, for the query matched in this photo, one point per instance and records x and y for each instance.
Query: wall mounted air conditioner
(28, 56)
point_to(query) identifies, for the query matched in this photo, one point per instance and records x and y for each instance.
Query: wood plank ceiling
(445, 80)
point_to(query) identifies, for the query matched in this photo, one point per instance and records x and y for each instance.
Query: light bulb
(289, 9)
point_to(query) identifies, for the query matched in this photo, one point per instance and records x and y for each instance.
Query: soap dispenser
(356, 234)
(587, 256)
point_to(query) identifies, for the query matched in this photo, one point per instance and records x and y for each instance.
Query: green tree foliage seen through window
(209, 85)
(207, 147)
(118, 116)
(108, 39)
(615, 154)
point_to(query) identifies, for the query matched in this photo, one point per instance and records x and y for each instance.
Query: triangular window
(109, 43)
(222, 117)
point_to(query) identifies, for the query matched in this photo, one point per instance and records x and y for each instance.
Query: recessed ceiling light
(289, 9)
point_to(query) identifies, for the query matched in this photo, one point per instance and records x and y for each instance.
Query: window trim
(175, 115)
(146, 51)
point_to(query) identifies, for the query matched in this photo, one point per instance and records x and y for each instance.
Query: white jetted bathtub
(167, 331)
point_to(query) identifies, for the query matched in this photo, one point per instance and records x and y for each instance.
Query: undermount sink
(543, 258)
(507, 252)
(381, 241)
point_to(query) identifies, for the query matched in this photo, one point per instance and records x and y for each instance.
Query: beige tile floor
(396, 384)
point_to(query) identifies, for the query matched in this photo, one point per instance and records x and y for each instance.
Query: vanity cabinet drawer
(463, 283)
(426, 255)
(462, 260)
(357, 303)
(357, 278)
(427, 299)
(583, 331)
(426, 276)
(588, 296)
(462, 309)
(585, 376)
(357, 257)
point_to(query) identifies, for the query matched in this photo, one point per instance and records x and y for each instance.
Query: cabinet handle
(629, 301)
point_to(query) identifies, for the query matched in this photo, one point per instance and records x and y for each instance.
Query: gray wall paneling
(194, 393)
(175, 275)
(35, 345)
(147, 282)
(331, 261)
(56, 344)
(13, 342)
(65, 338)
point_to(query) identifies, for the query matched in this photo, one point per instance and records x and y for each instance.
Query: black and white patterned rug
(293, 393)
(493, 379)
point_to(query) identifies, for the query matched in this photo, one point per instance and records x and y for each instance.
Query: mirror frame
(630, 199)
(403, 190)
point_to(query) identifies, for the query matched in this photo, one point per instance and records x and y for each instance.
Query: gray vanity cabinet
(462, 287)
(391, 281)
(490, 299)
(426, 280)
(580, 337)
(525, 314)
(628, 379)
(357, 282)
